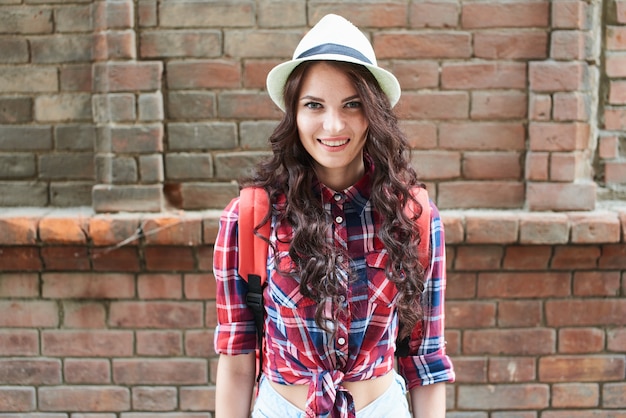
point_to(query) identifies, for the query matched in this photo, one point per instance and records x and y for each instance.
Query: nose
(333, 121)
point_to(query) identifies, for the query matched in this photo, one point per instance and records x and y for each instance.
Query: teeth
(334, 143)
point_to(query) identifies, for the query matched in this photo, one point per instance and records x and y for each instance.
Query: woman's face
(332, 125)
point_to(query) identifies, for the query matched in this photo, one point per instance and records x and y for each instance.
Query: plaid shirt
(296, 350)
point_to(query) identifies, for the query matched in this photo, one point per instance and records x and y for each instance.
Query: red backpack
(253, 207)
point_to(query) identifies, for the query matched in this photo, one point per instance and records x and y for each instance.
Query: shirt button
(337, 197)
(339, 219)
(342, 298)
(341, 341)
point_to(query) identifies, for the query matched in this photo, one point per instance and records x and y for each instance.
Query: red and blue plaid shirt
(296, 350)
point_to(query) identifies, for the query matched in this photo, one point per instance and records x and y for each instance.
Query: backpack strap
(423, 252)
(253, 207)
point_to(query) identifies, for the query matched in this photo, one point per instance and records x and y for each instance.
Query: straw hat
(336, 39)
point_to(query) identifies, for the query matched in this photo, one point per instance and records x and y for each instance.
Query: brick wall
(123, 125)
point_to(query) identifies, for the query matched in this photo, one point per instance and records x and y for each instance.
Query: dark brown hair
(289, 173)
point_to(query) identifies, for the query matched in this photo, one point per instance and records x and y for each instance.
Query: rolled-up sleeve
(235, 332)
(430, 364)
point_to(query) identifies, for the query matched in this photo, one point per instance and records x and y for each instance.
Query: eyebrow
(318, 99)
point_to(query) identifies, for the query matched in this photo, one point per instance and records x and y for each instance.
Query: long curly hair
(289, 172)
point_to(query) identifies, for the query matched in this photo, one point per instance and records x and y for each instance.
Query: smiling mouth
(334, 143)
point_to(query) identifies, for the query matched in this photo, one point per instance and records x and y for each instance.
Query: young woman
(344, 268)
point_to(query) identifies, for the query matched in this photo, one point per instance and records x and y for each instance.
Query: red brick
(512, 369)
(28, 314)
(470, 314)
(596, 283)
(140, 139)
(128, 76)
(86, 314)
(614, 395)
(159, 343)
(617, 92)
(210, 317)
(492, 166)
(613, 257)
(420, 135)
(615, 119)
(595, 227)
(205, 258)
(434, 15)
(220, 14)
(17, 399)
(255, 72)
(414, 75)
(87, 371)
(540, 107)
(616, 339)
(433, 165)
(470, 369)
(523, 285)
(390, 45)
(197, 398)
(159, 372)
(569, 14)
(433, 105)
(87, 285)
(601, 368)
(113, 15)
(453, 342)
(16, 342)
(571, 107)
(482, 136)
(498, 105)
(510, 15)
(620, 11)
(511, 45)
(155, 398)
(580, 340)
(519, 313)
(19, 371)
(570, 413)
(544, 228)
(159, 286)
(561, 196)
(260, 43)
(615, 65)
(18, 230)
(616, 38)
(504, 397)
(575, 395)
(371, 15)
(550, 136)
(568, 166)
(557, 76)
(174, 315)
(107, 229)
(109, 46)
(581, 257)
(84, 398)
(518, 341)
(20, 259)
(19, 285)
(454, 228)
(166, 230)
(66, 258)
(477, 258)
(537, 166)
(490, 228)
(180, 43)
(199, 286)
(122, 259)
(535, 257)
(615, 172)
(245, 105)
(488, 75)
(570, 45)
(89, 343)
(587, 312)
(203, 74)
(608, 147)
(481, 194)
(169, 258)
(199, 343)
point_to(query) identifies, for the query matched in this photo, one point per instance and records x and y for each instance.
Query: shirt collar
(358, 194)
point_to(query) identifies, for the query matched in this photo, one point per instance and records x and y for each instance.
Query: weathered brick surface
(516, 112)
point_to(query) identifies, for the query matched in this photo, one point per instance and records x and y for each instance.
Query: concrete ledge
(81, 226)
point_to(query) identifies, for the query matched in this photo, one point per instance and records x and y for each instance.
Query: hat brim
(277, 77)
